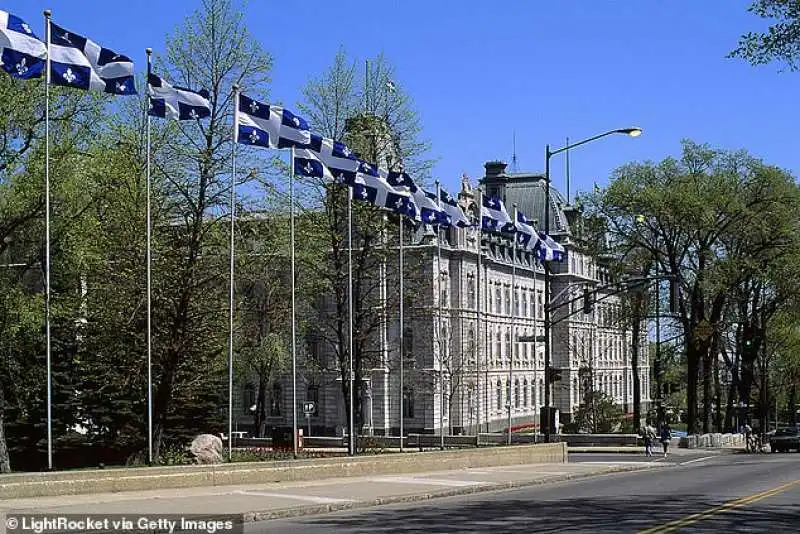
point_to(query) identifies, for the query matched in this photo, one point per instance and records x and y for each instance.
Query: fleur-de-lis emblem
(296, 122)
(121, 88)
(363, 193)
(26, 28)
(340, 177)
(309, 168)
(254, 138)
(66, 37)
(365, 167)
(193, 114)
(399, 204)
(69, 76)
(22, 67)
(253, 106)
(346, 152)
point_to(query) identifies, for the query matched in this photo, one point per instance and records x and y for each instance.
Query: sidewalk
(289, 499)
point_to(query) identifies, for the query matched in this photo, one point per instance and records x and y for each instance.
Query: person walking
(649, 436)
(666, 436)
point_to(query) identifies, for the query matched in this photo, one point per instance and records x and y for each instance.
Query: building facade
(474, 295)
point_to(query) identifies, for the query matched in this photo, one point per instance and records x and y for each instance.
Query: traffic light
(587, 301)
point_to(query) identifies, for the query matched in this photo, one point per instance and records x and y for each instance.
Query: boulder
(207, 449)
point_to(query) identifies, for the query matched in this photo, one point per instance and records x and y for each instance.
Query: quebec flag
(375, 190)
(426, 208)
(326, 159)
(178, 103)
(22, 54)
(527, 238)
(450, 206)
(268, 126)
(494, 217)
(549, 249)
(78, 62)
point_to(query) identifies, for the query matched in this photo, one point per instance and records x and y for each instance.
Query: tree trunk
(717, 393)
(5, 460)
(692, 365)
(708, 401)
(792, 407)
(730, 404)
(260, 420)
(635, 334)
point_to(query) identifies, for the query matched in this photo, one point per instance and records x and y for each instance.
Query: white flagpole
(149, 52)
(47, 15)
(231, 294)
(351, 429)
(402, 340)
(511, 389)
(439, 335)
(478, 317)
(294, 326)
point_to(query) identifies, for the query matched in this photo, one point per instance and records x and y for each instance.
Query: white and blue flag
(327, 160)
(371, 186)
(549, 250)
(179, 103)
(527, 238)
(427, 209)
(22, 54)
(267, 126)
(78, 62)
(455, 214)
(494, 217)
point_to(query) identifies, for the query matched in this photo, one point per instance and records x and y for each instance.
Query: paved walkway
(266, 501)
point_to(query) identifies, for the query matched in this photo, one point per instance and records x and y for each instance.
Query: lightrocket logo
(41, 524)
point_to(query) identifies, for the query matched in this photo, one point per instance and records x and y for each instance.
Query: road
(719, 493)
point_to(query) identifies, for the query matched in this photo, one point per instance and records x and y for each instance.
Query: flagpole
(47, 15)
(513, 323)
(402, 340)
(294, 326)
(149, 52)
(231, 294)
(351, 427)
(478, 317)
(439, 325)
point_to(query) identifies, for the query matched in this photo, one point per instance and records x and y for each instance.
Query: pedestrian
(648, 434)
(666, 435)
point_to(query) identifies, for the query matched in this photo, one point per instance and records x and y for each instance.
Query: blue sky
(481, 71)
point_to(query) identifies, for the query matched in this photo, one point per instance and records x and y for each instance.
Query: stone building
(463, 378)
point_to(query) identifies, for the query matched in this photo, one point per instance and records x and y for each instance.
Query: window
(471, 292)
(444, 281)
(508, 345)
(525, 398)
(516, 393)
(508, 301)
(498, 300)
(499, 348)
(408, 347)
(275, 401)
(539, 307)
(312, 394)
(499, 394)
(408, 403)
(525, 303)
(575, 391)
(516, 302)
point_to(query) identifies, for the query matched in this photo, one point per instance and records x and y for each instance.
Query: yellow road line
(694, 518)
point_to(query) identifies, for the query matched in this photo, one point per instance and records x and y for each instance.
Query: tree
(686, 214)
(212, 50)
(598, 414)
(375, 119)
(780, 42)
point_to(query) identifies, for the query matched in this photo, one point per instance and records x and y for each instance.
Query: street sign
(308, 407)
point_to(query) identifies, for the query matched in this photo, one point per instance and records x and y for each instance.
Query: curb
(318, 509)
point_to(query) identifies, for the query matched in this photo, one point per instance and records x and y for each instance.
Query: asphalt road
(722, 493)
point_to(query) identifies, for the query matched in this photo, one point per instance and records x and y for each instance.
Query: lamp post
(633, 132)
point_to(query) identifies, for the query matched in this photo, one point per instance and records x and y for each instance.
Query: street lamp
(633, 132)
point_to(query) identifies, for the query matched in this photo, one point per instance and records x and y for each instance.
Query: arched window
(498, 300)
(516, 393)
(499, 393)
